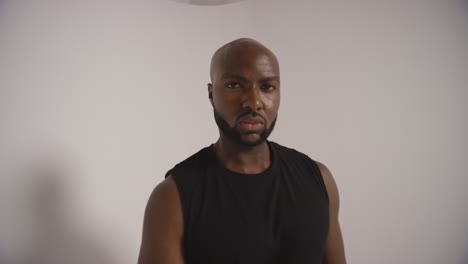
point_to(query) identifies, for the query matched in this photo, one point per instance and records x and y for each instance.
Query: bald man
(244, 199)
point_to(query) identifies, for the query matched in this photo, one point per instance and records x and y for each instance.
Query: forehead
(246, 61)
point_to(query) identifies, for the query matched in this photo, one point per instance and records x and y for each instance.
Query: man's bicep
(163, 226)
(334, 246)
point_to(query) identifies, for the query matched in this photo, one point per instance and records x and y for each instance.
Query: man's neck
(242, 159)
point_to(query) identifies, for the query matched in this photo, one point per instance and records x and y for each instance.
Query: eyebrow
(242, 78)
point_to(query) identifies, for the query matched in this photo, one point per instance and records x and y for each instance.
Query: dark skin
(245, 79)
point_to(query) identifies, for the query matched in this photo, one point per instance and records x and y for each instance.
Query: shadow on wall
(54, 240)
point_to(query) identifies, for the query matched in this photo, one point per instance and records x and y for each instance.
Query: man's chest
(276, 220)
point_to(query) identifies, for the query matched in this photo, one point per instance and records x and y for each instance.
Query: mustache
(252, 114)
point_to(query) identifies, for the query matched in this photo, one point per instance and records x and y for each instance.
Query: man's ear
(210, 92)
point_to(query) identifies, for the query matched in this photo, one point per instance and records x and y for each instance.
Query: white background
(98, 99)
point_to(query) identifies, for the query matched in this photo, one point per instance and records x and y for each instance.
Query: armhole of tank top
(180, 193)
(320, 177)
(322, 181)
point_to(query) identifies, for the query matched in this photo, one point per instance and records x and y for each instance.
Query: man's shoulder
(295, 157)
(298, 159)
(196, 160)
(288, 151)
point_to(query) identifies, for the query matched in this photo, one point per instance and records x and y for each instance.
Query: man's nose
(252, 99)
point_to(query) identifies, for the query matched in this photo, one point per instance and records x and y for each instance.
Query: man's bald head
(239, 49)
(245, 85)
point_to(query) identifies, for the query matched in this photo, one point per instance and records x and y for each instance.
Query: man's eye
(233, 85)
(268, 87)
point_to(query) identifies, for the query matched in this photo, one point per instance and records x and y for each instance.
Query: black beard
(235, 135)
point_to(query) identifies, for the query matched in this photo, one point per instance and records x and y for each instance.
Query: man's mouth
(251, 126)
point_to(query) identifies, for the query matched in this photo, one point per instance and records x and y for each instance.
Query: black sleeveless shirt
(277, 216)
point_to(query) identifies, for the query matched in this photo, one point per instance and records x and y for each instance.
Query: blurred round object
(208, 2)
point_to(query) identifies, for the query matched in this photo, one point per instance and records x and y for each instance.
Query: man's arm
(163, 226)
(334, 248)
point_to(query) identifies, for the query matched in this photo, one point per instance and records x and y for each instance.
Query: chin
(252, 142)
